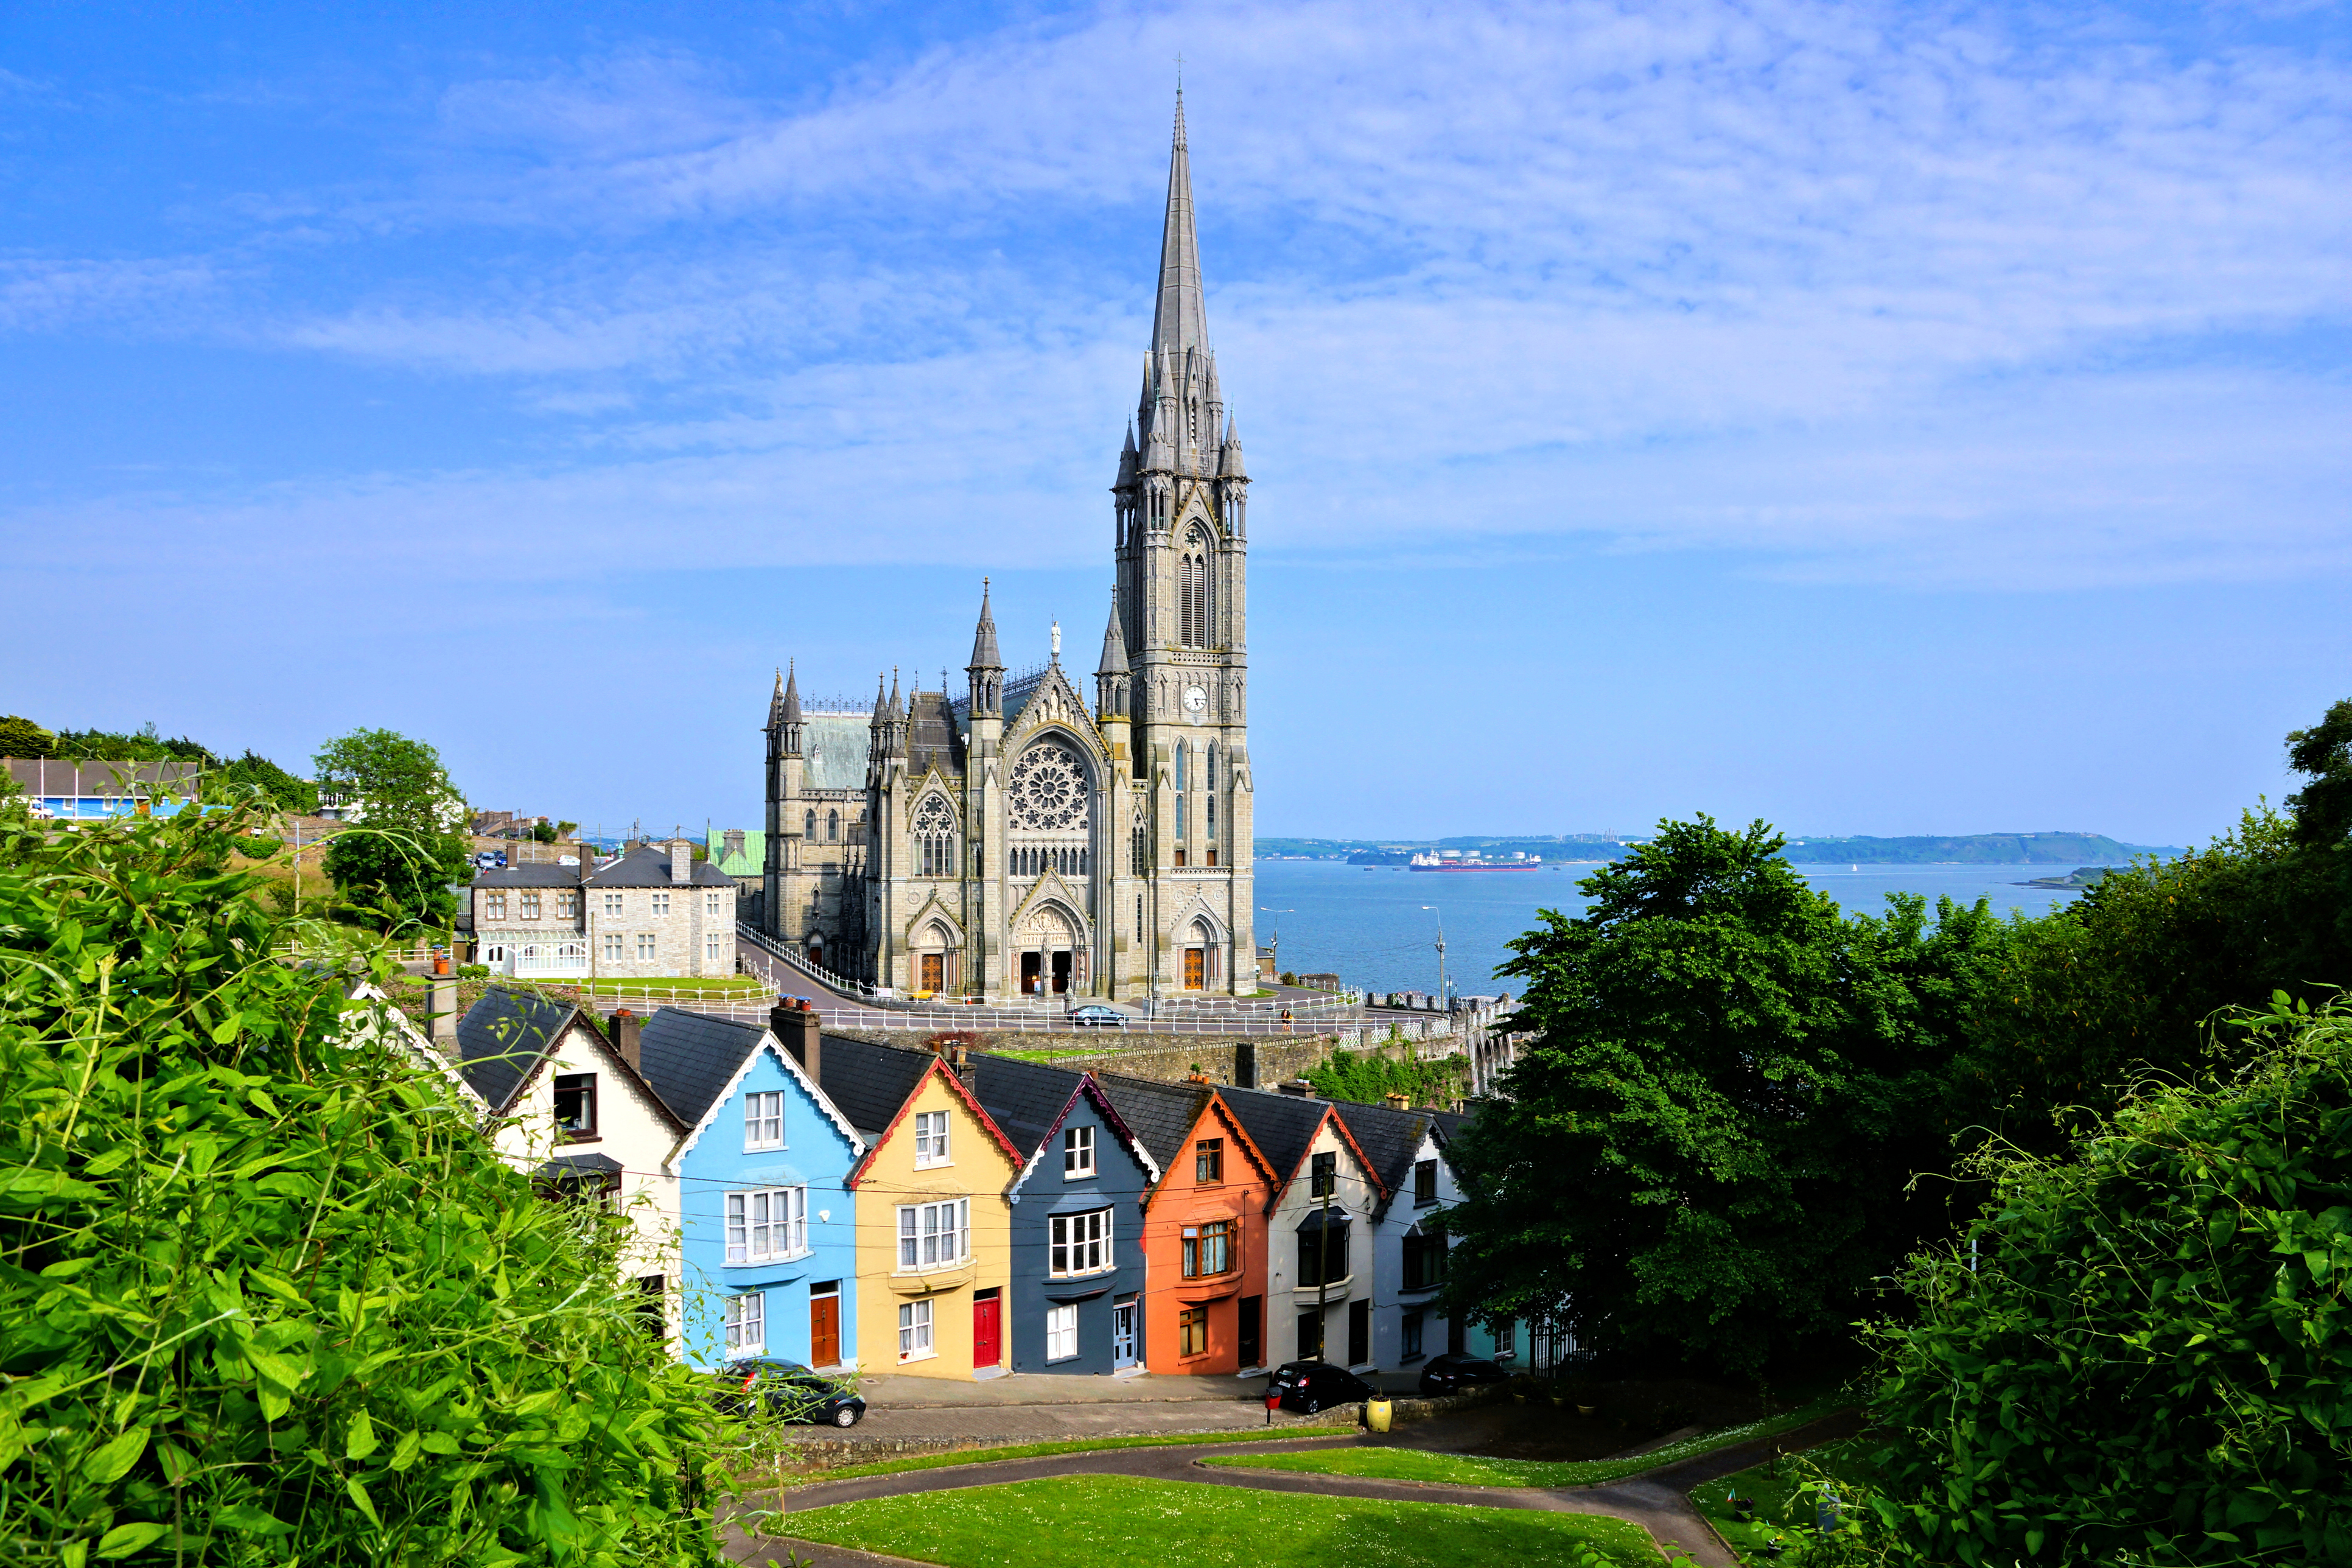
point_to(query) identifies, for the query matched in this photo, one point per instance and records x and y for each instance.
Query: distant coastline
(2071, 850)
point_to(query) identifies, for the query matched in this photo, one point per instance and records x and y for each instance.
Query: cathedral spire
(983, 638)
(1181, 323)
(791, 701)
(1113, 654)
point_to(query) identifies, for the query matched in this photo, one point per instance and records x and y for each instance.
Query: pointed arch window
(935, 838)
(833, 827)
(1139, 857)
(1195, 592)
(810, 827)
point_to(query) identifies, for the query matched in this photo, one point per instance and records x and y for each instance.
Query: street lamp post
(1273, 941)
(1443, 997)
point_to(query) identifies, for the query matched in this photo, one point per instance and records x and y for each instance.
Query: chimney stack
(442, 1010)
(681, 861)
(1395, 1101)
(799, 1030)
(624, 1025)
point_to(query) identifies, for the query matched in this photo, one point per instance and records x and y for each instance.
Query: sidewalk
(1037, 1407)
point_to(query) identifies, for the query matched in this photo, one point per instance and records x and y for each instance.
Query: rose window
(1048, 793)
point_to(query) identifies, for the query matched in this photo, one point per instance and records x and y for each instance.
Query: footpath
(1657, 1500)
(1028, 1409)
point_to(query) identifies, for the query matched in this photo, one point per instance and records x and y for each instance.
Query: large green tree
(393, 869)
(1706, 1149)
(2143, 1352)
(267, 1293)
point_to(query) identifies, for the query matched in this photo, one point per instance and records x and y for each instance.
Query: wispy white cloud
(1868, 292)
(47, 294)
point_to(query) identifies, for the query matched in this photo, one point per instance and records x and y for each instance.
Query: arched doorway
(1052, 955)
(936, 967)
(1203, 958)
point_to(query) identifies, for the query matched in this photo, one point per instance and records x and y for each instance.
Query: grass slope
(1473, 1470)
(1067, 1446)
(1084, 1521)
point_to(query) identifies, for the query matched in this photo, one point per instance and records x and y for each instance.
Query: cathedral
(1017, 839)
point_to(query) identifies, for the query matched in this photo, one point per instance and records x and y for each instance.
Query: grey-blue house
(1078, 1276)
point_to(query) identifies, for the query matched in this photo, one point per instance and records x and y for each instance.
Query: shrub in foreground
(266, 1294)
(2148, 1358)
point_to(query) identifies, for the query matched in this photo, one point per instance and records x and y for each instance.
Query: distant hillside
(1969, 849)
(1973, 848)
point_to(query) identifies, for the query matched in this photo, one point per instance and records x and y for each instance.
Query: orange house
(1203, 1241)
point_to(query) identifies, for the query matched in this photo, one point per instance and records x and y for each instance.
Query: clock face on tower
(1195, 699)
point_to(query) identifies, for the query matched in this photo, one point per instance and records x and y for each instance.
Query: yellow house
(934, 1232)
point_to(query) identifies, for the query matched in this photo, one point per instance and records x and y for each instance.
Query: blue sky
(1876, 418)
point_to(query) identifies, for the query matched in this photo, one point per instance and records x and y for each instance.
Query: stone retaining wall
(1251, 1061)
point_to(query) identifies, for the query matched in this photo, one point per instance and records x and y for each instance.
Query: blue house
(767, 1230)
(1077, 1274)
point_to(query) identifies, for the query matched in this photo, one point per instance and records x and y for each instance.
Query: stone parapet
(1248, 1061)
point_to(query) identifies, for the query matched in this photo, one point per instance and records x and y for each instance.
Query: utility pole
(1323, 1264)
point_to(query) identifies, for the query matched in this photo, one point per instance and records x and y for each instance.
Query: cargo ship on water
(1472, 860)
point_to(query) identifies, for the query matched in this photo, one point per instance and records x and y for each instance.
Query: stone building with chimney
(1039, 833)
(654, 911)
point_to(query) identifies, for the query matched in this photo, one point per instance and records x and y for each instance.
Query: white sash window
(767, 1224)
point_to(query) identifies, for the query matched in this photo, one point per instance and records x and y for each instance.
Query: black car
(1308, 1386)
(1452, 1374)
(787, 1391)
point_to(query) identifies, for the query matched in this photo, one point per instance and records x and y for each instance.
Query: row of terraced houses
(951, 1214)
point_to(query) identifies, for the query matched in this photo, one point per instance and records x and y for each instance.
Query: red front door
(824, 1329)
(987, 1330)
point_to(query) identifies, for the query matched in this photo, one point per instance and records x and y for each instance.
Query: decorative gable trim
(955, 1086)
(1051, 889)
(1331, 1117)
(603, 1048)
(1092, 1092)
(1229, 1126)
(768, 1046)
(412, 1040)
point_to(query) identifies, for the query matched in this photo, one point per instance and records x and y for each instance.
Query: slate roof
(1281, 1125)
(579, 1165)
(531, 876)
(1025, 1099)
(690, 1057)
(1159, 1114)
(647, 866)
(868, 1083)
(932, 735)
(1388, 1139)
(501, 1038)
(832, 751)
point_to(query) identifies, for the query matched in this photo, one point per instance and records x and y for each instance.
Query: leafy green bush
(1369, 1076)
(266, 1295)
(2148, 1357)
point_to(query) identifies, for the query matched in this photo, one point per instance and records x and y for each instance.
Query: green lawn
(1471, 1471)
(1082, 1521)
(1773, 1488)
(1067, 1445)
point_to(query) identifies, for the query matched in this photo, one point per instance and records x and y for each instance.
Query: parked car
(787, 1390)
(1452, 1374)
(1095, 1016)
(1308, 1386)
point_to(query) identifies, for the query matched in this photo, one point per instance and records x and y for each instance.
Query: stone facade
(1020, 839)
(652, 914)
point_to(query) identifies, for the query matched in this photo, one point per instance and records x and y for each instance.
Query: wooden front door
(935, 971)
(987, 1330)
(1196, 968)
(825, 1330)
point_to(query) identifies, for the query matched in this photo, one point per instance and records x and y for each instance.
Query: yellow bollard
(1376, 1415)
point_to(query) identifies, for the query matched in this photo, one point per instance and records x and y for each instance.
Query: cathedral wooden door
(1196, 968)
(934, 971)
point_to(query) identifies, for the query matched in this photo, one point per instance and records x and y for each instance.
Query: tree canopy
(398, 781)
(1705, 1148)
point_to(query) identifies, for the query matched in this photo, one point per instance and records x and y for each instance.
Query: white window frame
(494, 906)
(1081, 1244)
(747, 1324)
(915, 1332)
(1062, 1332)
(710, 903)
(930, 1140)
(711, 947)
(763, 1119)
(613, 903)
(615, 948)
(649, 948)
(1077, 1153)
(764, 1224)
(661, 903)
(934, 1236)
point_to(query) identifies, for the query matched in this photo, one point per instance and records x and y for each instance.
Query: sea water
(1372, 926)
